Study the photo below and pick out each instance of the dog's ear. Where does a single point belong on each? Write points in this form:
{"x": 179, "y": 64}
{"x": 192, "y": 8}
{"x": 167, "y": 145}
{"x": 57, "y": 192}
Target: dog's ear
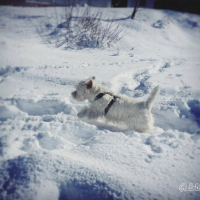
{"x": 93, "y": 77}
{"x": 89, "y": 84}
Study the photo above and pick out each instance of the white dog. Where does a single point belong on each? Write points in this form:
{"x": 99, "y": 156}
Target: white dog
{"x": 134, "y": 113}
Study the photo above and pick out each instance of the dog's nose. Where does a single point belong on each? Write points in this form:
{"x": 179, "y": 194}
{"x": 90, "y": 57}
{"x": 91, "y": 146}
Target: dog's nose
{"x": 74, "y": 94}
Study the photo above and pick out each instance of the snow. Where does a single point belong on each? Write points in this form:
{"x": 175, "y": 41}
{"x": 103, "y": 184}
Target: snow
{"x": 47, "y": 153}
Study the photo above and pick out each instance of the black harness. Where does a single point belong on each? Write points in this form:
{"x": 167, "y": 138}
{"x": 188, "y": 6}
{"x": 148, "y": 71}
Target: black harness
{"x": 100, "y": 95}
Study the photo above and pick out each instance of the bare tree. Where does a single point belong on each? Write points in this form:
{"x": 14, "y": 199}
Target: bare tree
{"x": 76, "y": 27}
{"x": 135, "y": 8}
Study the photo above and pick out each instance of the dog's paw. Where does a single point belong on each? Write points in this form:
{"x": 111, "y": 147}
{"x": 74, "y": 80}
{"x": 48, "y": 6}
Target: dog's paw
{"x": 80, "y": 115}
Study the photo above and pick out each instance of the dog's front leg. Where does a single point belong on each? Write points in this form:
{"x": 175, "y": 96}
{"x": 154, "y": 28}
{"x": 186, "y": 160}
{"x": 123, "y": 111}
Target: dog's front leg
{"x": 83, "y": 112}
{"x": 88, "y": 112}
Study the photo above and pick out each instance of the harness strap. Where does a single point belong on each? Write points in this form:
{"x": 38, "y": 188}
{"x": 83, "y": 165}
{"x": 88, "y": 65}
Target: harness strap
{"x": 110, "y": 104}
{"x": 100, "y": 95}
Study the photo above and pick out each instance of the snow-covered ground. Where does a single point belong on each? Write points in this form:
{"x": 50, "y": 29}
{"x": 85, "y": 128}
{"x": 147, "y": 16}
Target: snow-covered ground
{"x": 47, "y": 153}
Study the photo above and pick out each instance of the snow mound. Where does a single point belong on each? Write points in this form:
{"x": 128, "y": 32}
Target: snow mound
{"x": 8, "y": 112}
{"x": 43, "y": 107}
{"x": 80, "y": 184}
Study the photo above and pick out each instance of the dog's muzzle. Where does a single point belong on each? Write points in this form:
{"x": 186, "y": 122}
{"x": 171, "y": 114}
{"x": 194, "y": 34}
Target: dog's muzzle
{"x": 74, "y": 94}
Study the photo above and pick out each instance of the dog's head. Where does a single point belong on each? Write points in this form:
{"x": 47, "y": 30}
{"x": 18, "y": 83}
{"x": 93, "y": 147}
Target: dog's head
{"x": 84, "y": 89}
